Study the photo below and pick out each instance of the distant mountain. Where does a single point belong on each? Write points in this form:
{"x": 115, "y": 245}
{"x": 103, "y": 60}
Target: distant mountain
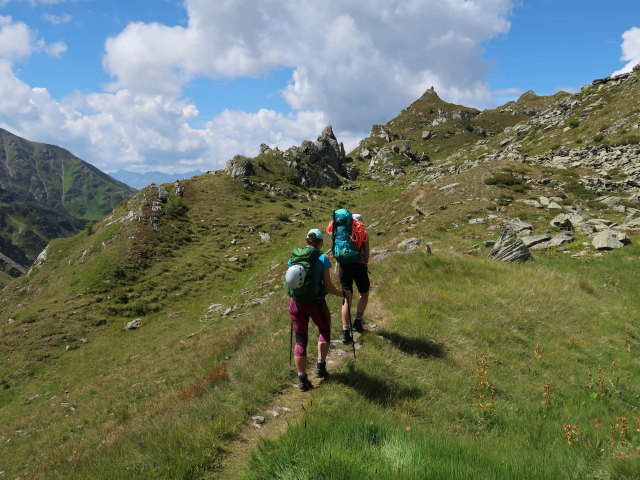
{"x": 141, "y": 180}
{"x": 46, "y": 192}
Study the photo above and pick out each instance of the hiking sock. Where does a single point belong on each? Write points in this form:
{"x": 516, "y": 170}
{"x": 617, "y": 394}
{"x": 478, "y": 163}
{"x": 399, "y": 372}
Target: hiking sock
{"x": 321, "y": 369}
{"x": 303, "y": 382}
{"x": 321, "y": 361}
{"x": 357, "y": 323}
{"x": 346, "y": 335}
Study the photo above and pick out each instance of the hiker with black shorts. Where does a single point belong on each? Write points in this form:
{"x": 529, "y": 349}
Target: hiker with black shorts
{"x": 310, "y": 262}
{"x": 351, "y": 250}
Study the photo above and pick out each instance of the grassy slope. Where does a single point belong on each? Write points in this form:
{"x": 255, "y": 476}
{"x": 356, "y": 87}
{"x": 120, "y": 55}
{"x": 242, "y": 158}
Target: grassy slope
{"x": 161, "y": 402}
{"x": 407, "y": 407}
{"x": 66, "y": 345}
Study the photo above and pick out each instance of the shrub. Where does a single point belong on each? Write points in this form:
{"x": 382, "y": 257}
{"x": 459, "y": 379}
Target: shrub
{"x": 573, "y": 123}
{"x": 503, "y": 178}
{"x": 580, "y": 191}
{"x": 598, "y": 138}
{"x": 292, "y": 177}
{"x": 282, "y": 217}
{"x": 287, "y": 205}
{"x": 175, "y": 208}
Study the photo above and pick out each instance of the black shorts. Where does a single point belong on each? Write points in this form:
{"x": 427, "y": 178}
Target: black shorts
{"x": 354, "y": 271}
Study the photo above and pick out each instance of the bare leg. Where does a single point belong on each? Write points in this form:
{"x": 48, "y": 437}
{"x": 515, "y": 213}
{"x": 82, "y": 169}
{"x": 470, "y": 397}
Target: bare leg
{"x": 301, "y": 363}
{"x": 323, "y": 349}
{"x": 362, "y": 303}
{"x": 345, "y": 308}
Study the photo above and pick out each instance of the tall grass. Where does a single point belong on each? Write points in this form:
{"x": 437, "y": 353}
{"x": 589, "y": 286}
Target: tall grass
{"x": 482, "y": 370}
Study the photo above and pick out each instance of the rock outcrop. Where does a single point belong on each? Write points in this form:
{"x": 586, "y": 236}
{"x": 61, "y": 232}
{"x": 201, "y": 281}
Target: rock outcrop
{"x": 510, "y": 248}
{"x": 239, "y": 166}
{"x": 321, "y": 163}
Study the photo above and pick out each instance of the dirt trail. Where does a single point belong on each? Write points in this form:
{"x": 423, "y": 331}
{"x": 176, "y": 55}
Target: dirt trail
{"x": 288, "y": 407}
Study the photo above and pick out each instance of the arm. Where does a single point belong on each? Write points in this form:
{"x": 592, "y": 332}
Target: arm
{"x": 328, "y": 284}
{"x": 366, "y": 251}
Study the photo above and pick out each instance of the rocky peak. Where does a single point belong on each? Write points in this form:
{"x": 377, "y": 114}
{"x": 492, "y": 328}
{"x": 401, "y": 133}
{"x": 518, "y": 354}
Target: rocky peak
{"x": 326, "y": 163}
{"x": 430, "y": 92}
{"x": 528, "y": 95}
{"x": 239, "y": 166}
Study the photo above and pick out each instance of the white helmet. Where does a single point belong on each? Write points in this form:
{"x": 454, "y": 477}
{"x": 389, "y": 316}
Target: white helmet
{"x": 294, "y": 278}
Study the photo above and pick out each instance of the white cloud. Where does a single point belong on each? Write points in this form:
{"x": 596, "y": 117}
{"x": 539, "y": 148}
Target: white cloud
{"x": 630, "y": 50}
{"x": 57, "y": 19}
{"x": 357, "y": 61}
{"x": 142, "y": 132}
{"x": 56, "y": 49}
{"x": 354, "y": 63}
{"x": 18, "y": 42}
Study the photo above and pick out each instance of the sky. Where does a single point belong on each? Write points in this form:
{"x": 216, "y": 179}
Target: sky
{"x": 182, "y": 85}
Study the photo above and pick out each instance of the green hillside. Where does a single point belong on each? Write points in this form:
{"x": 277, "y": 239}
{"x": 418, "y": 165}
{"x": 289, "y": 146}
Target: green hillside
{"x": 46, "y": 193}
{"x": 469, "y": 367}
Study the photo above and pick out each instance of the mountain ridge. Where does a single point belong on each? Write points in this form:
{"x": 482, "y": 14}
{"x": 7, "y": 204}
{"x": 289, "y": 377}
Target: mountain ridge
{"x": 47, "y": 192}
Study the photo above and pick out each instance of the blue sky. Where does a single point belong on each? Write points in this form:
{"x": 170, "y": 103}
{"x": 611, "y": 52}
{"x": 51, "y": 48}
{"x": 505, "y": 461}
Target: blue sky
{"x": 181, "y": 85}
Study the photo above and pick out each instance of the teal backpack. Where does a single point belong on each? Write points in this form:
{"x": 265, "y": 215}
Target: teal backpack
{"x": 344, "y": 248}
{"x": 310, "y": 289}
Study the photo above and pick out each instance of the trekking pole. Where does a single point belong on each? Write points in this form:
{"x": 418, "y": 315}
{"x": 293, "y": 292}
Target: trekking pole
{"x": 353, "y": 340}
{"x": 290, "y": 340}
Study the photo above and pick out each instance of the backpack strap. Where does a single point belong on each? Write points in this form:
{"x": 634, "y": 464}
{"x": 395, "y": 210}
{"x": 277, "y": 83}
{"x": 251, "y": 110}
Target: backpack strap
{"x": 333, "y": 235}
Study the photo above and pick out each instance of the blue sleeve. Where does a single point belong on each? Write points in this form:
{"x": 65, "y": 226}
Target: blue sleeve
{"x": 326, "y": 263}
{"x": 289, "y": 262}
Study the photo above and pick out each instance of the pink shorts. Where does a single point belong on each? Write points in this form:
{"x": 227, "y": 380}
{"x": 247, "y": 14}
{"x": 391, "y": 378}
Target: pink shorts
{"x": 300, "y": 314}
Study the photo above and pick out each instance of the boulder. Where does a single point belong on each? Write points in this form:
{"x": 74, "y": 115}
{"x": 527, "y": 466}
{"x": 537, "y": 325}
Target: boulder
{"x": 519, "y": 227}
{"x": 510, "y": 248}
{"x": 556, "y": 241}
{"x": 134, "y": 324}
{"x": 409, "y": 244}
{"x": 609, "y": 240}
{"x": 610, "y": 201}
{"x": 569, "y": 220}
{"x": 264, "y": 237}
{"x": 632, "y": 224}
{"x": 531, "y": 240}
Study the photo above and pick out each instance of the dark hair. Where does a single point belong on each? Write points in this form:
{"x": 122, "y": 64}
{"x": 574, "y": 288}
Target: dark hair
{"x": 312, "y": 239}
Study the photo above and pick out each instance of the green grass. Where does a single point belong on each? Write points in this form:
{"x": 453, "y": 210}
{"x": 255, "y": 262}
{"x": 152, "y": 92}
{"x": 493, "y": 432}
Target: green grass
{"x": 407, "y": 407}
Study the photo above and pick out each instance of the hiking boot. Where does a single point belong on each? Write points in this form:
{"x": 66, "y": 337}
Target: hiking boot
{"x": 305, "y": 384}
{"x": 321, "y": 370}
{"x": 346, "y": 337}
{"x": 357, "y": 325}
